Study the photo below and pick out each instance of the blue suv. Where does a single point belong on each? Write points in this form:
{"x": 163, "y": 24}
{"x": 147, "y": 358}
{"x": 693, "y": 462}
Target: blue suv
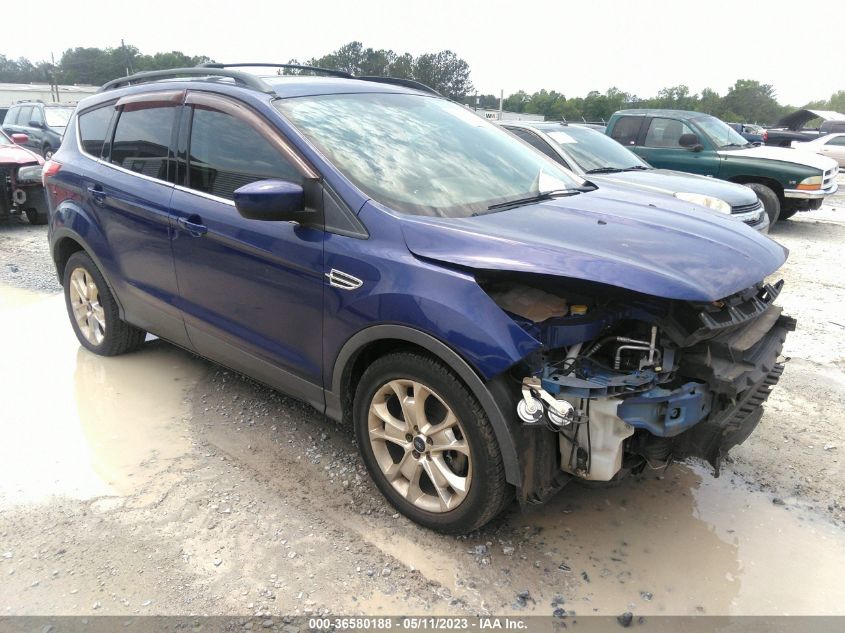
{"x": 491, "y": 324}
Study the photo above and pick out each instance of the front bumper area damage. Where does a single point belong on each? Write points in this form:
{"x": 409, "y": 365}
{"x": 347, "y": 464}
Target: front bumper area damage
{"x": 632, "y": 382}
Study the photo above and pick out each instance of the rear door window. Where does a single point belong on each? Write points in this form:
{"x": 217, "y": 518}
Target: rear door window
{"x": 836, "y": 140}
{"x": 93, "y": 130}
{"x": 626, "y": 130}
{"x": 665, "y": 132}
{"x": 218, "y": 162}
{"x": 142, "y": 138}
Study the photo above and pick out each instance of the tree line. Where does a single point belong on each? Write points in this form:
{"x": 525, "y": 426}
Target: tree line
{"x": 746, "y": 101}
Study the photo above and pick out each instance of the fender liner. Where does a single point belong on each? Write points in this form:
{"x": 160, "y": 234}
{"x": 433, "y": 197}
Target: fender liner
{"x": 494, "y": 405}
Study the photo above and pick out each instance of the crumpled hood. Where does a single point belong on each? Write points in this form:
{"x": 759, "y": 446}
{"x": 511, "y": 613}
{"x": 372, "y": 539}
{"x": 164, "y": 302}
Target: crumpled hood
{"x": 671, "y": 182}
{"x": 613, "y": 236}
{"x": 17, "y": 155}
{"x": 783, "y": 154}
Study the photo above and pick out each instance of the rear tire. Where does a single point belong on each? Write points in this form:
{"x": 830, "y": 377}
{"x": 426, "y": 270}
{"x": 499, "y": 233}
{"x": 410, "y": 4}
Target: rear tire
{"x": 93, "y": 310}
{"x": 450, "y": 491}
{"x": 770, "y": 200}
{"x": 47, "y": 152}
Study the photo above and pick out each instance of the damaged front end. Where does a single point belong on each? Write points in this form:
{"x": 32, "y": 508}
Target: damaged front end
{"x": 21, "y": 191}
{"x": 625, "y": 381}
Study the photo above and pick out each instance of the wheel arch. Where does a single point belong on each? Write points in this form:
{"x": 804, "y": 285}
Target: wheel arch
{"x": 64, "y": 243}
{"x": 771, "y": 183}
{"x": 378, "y": 340}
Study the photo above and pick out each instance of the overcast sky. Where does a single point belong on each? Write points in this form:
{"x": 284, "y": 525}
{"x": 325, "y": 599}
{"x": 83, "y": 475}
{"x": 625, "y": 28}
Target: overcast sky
{"x": 573, "y": 48}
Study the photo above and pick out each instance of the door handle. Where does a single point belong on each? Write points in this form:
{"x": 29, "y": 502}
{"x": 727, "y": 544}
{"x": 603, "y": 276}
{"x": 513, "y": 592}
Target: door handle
{"x": 193, "y": 225}
{"x": 97, "y": 194}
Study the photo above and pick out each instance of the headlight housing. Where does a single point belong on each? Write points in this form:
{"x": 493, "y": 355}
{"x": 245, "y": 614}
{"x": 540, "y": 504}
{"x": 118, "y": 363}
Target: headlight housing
{"x": 29, "y": 174}
{"x": 813, "y": 183}
{"x": 717, "y": 204}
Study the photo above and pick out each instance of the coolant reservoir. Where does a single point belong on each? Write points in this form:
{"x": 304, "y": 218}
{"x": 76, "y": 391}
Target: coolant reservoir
{"x": 606, "y": 435}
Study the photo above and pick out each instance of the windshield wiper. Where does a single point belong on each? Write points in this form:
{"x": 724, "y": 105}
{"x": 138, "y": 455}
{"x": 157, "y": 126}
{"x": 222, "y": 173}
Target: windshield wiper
{"x": 605, "y": 170}
{"x": 734, "y": 145}
{"x": 540, "y": 197}
{"x": 637, "y": 168}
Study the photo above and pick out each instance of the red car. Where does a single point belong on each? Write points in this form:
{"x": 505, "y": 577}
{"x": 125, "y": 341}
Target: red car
{"x": 21, "y": 190}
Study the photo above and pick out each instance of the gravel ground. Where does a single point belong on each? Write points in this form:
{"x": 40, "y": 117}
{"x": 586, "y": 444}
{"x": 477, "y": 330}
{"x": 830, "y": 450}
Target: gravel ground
{"x": 26, "y": 256}
{"x": 159, "y": 483}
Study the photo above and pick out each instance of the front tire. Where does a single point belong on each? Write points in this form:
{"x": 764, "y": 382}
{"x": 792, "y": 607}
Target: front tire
{"x": 36, "y": 217}
{"x": 428, "y": 444}
{"x": 770, "y": 200}
{"x": 93, "y": 310}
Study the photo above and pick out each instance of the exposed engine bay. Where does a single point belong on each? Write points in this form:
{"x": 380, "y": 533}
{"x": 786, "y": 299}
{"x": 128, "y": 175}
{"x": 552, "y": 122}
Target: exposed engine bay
{"x": 629, "y": 382}
{"x": 21, "y": 191}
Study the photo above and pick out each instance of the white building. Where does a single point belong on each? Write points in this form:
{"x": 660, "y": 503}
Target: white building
{"x": 493, "y": 115}
{"x": 10, "y": 93}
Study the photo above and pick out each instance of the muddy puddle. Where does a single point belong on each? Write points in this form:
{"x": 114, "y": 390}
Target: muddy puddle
{"x": 689, "y": 543}
{"x": 683, "y": 544}
{"x": 76, "y": 425}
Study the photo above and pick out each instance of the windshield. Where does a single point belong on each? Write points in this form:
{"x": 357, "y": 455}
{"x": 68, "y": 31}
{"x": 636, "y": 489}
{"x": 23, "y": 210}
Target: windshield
{"x": 593, "y": 150}
{"x": 57, "y": 117}
{"x": 423, "y": 155}
{"x": 720, "y": 133}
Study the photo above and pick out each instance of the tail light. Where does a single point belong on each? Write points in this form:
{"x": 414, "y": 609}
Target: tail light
{"x": 51, "y": 168}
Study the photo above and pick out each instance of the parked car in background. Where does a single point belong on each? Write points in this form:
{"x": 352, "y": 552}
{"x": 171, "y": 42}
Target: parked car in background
{"x": 21, "y": 190}
{"x": 598, "y": 158}
{"x": 750, "y": 132}
{"x": 43, "y": 123}
{"x": 831, "y": 145}
{"x": 780, "y": 137}
{"x": 831, "y": 127}
{"x": 491, "y": 324}
{"x": 786, "y": 181}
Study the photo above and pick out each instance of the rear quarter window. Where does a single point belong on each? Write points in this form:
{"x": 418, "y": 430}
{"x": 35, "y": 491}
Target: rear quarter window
{"x": 93, "y": 128}
{"x": 626, "y": 130}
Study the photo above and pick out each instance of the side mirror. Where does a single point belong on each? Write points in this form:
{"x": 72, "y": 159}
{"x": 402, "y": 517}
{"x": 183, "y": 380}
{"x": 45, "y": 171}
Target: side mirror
{"x": 690, "y": 142}
{"x": 20, "y": 139}
{"x": 274, "y": 200}
{"x": 37, "y": 124}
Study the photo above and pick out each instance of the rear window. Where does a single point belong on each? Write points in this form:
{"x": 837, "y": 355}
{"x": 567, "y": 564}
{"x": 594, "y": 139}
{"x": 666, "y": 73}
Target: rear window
{"x": 57, "y": 116}
{"x": 141, "y": 140}
{"x": 626, "y": 130}
{"x": 93, "y": 127}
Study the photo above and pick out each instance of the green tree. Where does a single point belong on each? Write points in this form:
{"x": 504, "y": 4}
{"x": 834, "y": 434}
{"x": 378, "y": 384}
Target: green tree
{"x": 752, "y": 101}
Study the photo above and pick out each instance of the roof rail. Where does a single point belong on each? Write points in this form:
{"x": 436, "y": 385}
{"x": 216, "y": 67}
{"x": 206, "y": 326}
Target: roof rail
{"x": 327, "y": 71}
{"x": 246, "y": 79}
{"x": 396, "y": 81}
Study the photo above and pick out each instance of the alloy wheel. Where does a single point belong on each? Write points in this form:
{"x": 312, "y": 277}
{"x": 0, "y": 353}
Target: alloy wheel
{"x": 87, "y": 310}
{"x": 420, "y": 446}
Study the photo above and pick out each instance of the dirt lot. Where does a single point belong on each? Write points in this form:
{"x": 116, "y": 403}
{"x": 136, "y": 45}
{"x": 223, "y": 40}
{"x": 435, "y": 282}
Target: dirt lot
{"x": 158, "y": 483}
